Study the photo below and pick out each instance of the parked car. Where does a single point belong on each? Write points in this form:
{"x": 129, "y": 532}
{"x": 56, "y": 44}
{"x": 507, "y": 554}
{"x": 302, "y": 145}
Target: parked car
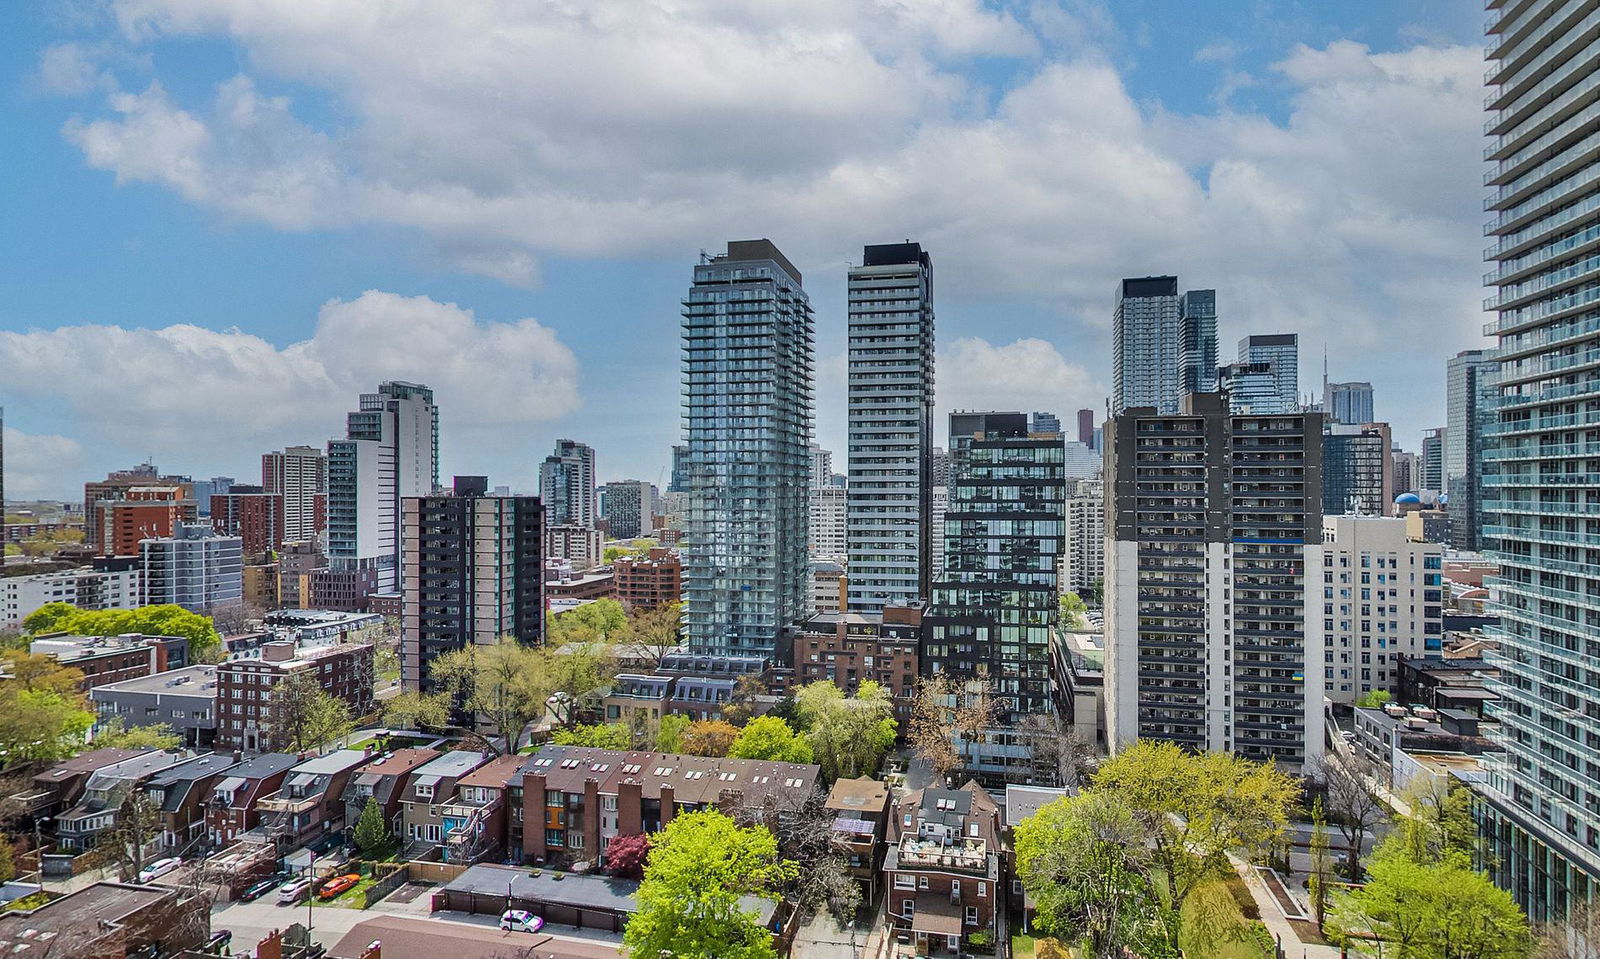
{"x": 158, "y": 869}
{"x": 256, "y": 890}
{"x": 338, "y": 884}
{"x": 290, "y": 892}
{"x": 520, "y": 920}
{"x": 219, "y": 941}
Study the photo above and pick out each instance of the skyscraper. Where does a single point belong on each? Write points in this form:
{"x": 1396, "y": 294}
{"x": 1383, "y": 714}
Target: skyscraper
{"x": 748, "y": 362}
{"x": 300, "y": 474}
{"x": 1281, "y": 353}
{"x": 474, "y": 572}
{"x": 821, "y": 466}
{"x": 1372, "y": 567}
{"x": 1468, "y": 396}
{"x": 1431, "y": 462}
{"x": 1163, "y": 344}
{"x": 1349, "y": 403}
{"x": 1044, "y": 423}
{"x": 891, "y": 426}
{"x": 1086, "y": 427}
{"x": 1357, "y": 470}
{"x": 1539, "y": 511}
{"x": 566, "y": 484}
{"x": 629, "y": 508}
{"x": 1213, "y": 581}
{"x": 390, "y": 451}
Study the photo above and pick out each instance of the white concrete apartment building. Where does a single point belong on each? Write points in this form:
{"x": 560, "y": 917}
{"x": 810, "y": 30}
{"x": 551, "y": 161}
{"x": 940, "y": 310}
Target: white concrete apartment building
{"x": 1381, "y": 602}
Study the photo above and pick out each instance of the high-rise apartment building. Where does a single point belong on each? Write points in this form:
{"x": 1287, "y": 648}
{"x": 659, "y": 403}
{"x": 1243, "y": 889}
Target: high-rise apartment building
{"x": 1358, "y": 470}
{"x": 629, "y": 508}
{"x": 1405, "y": 472}
{"x": 141, "y": 513}
{"x": 821, "y": 466}
{"x": 115, "y": 487}
{"x": 1213, "y": 581}
{"x": 1349, "y": 403}
{"x": 1084, "y": 558}
{"x": 567, "y": 484}
{"x": 1163, "y": 343}
{"x": 390, "y": 452}
{"x": 1382, "y": 601}
{"x": 474, "y": 572}
{"x": 748, "y": 368}
{"x": 1541, "y": 509}
{"x": 300, "y": 475}
{"x": 250, "y": 513}
{"x": 1431, "y": 462}
{"x": 205, "y": 489}
{"x": 193, "y": 568}
{"x": 829, "y": 509}
{"x": 1468, "y": 397}
{"x": 996, "y": 603}
{"x": 582, "y": 546}
{"x": 891, "y": 426}
{"x": 1281, "y": 354}
{"x": 679, "y": 483}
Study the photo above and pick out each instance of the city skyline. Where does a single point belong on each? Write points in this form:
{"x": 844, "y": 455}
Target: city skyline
{"x": 271, "y": 304}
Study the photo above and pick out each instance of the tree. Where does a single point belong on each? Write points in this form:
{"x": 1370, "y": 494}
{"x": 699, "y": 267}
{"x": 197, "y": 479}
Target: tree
{"x": 626, "y": 855}
{"x": 932, "y": 733}
{"x": 1321, "y": 863}
{"x": 125, "y": 844}
{"x": 849, "y": 735}
{"x": 304, "y": 715}
{"x": 747, "y": 691}
{"x": 371, "y": 834}
{"x": 1073, "y": 609}
{"x": 769, "y": 737}
{"x": 669, "y": 734}
{"x": 1057, "y": 757}
{"x": 709, "y": 737}
{"x": 1436, "y": 910}
{"x": 505, "y": 685}
{"x": 1441, "y": 821}
{"x": 1199, "y": 807}
{"x": 116, "y": 735}
{"x": 575, "y": 675}
{"x": 429, "y": 712}
{"x": 1086, "y": 862}
{"x": 689, "y": 906}
{"x": 49, "y": 618}
{"x": 654, "y": 631}
{"x": 1356, "y": 808}
{"x": 40, "y": 723}
{"x": 205, "y": 643}
{"x": 1577, "y": 936}
{"x": 36, "y": 672}
{"x": 803, "y": 825}
{"x": 608, "y": 736}
{"x": 1375, "y": 699}
{"x": 601, "y": 621}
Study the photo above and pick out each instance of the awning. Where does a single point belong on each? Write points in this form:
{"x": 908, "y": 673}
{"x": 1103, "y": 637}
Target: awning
{"x": 935, "y": 922}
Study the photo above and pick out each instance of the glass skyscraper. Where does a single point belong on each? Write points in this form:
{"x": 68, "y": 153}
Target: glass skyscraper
{"x": 566, "y": 485}
{"x": 1348, "y": 403}
{"x": 1281, "y": 354}
{"x": 748, "y": 368}
{"x": 1541, "y": 508}
{"x": 1163, "y": 344}
{"x": 890, "y": 489}
{"x": 1468, "y": 376}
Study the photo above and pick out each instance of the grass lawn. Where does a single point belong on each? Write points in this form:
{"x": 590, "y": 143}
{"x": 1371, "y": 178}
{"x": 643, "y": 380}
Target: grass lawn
{"x": 351, "y": 898}
{"x": 1022, "y": 946}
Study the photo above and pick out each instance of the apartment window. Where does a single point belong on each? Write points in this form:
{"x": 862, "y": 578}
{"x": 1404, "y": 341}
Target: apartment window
{"x": 922, "y": 882}
{"x": 972, "y": 915}
{"x": 908, "y": 907}
{"x": 983, "y": 890}
{"x": 903, "y": 881}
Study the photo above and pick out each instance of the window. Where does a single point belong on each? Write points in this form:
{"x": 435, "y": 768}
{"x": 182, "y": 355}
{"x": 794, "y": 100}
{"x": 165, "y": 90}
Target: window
{"x": 983, "y": 890}
{"x": 903, "y": 881}
{"x": 922, "y": 882}
{"x": 972, "y": 915}
{"x": 908, "y": 907}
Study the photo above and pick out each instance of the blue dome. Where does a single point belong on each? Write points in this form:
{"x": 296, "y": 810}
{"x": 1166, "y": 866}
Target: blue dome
{"x": 1408, "y": 498}
{"x": 1444, "y": 498}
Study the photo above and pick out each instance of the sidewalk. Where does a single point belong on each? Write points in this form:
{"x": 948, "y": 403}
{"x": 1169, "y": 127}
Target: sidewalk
{"x": 1272, "y": 916}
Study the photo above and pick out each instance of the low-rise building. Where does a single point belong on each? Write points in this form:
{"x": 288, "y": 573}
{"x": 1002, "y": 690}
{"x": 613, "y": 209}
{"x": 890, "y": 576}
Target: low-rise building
{"x": 95, "y": 812}
{"x": 428, "y": 790}
{"x": 182, "y": 793}
{"x": 108, "y": 920}
{"x": 248, "y": 712}
{"x": 649, "y": 581}
{"x": 184, "y": 699}
{"x": 944, "y": 874}
{"x": 860, "y": 809}
{"x": 313, "y": 627}
{"x": 108, "y": 583}
{"x": 477, "y": 819}
{"x": 59, "y": 787}
{"x": 851, "y": 648}
{"x": 1449, "y": 683}
{"x": 310, "y": 804}
{"x": 1381, "y": 733}
{"x": 578, "y": 587}
{"x": 111, "y": 659}
{"x": 383, "y": 781}
{"x": 232, "y": 808}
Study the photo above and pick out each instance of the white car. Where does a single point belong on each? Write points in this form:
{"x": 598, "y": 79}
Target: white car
{"x": 290, "y": 892}
{"x": 158, "y": 869}
{"x": 520, "y": 920}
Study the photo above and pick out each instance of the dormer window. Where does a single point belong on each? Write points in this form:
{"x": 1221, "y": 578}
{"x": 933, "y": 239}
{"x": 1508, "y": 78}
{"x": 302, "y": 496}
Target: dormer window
{"x": 972, "y": 829}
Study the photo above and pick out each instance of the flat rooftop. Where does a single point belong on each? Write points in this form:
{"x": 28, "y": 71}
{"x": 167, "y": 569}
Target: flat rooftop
{"x": 188, "y": 681}
{"x": 35, "y": 932}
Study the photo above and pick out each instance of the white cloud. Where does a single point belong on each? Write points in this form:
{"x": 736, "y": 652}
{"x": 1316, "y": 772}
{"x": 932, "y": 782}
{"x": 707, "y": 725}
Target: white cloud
{"x": 1024, "y": 375}
{"x": 201, "y": 400}
{"x": 34, "y": 464}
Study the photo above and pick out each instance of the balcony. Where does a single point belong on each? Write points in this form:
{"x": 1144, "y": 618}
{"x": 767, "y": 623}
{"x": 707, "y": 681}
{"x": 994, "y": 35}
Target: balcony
{"x": 279, "y": 803}
{"x": 966, "y": 855}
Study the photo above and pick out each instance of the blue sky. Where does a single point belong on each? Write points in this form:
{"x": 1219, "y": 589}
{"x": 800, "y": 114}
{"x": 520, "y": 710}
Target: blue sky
{"x": 200, "y": 196}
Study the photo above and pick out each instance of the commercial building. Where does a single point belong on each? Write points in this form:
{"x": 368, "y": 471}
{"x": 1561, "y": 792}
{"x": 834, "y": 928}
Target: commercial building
{"x": 996, "y": 603}
{"x": 1431, "y": 462}
{"x": 629, "y": 508}
{"x": 108, "y": 583}
{"x": 183, "y": 699}
{"x": 891, "y": 355}
{"x": 1086, "y": 427}
{"x": 1083, "y": 558}
{"x": 112, "y": 659}
{"x": 1358, "y": 469}
{"x": 1280, "y": 352}
{"x": 1163, "y": 343}
{"x": 581, "y": 546}
{"x": 1348, "y": 403}
{"x": 1382, "y": 601}
{"x": 567, "y": 485}
{"x": 1542, "y": 808}
{"x": 648, "y": 581}
{"x": 252, "y": 514}
{"x": 1469, "y": 395}
{"x": 299, "y": 474}
{"x": 194, "y": 568}
{"x": 826, "y": 539}
{"x": 390, "y": 451}
{"x": 474, "y": 572}
{"x": 748, "y": 367}
{"x": 1211, "y": 581}
{"x": 248, "y": 710}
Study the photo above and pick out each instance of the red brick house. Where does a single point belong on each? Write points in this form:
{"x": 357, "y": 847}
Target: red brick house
{"x": 944, "y": 871}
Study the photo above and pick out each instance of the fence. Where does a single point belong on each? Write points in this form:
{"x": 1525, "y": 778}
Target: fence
{"x": 386, "y": 878}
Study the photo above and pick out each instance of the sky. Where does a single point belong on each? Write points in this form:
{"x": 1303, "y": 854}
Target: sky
{"x": 223, "y": 220}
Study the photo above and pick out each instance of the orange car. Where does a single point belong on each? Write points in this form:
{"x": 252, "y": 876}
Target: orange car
{"x": 338, "y": 884}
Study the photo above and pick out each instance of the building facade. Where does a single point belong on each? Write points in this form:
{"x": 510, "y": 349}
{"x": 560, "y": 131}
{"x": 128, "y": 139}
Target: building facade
{"x": 567, "y": 485}
{"x": 1216, "y": 534}
{"x": 1468, "y": 396}
{"x": 1083, "y": 558}
{"x": 1281, "y": 354}
{"x": 115, "y": 485}
{"x": 249, "y": 714}
{"x": 1431, "y": 462}
{"x": 582, "y": 546}
{"x": 299, "y": 474}
{"x": 252, "y": 514}
{"x": 1541, "y": 814}
{"x": 195, "y": 569}
{"x": 629, "y": 508}
{"x": 826, "y": 539}
{"x": 1348, "y": 403}
{"x": 649, "y": 581}
{"x": 891, "y": 356}
{"x": 109, "y": 583}
{"x": 748, "y": 365}
{"x": 1145, "y": 344}
{"x": 474, "y": 572}
{"x": 1358, "y": 470}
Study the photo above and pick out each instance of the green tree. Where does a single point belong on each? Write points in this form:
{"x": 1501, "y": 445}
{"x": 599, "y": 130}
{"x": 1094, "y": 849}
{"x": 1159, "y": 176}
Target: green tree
{"x": 304, "y": 715}
{"x": 1375, "y": 699}
{"x": 654, "y": 631}
{"x": 768, "y": 737}
{"x": 49, "y": 618}
{"x": 669, "y": 736}
{"x": 40, "y": 723}
{"x": 372, "y": 835}
{"x": 608, "y": 736}
{"x": 117, "y": 735}
{"x": 126, "y": 844}
{"x": 429, "y": 712}
{"x": 1436, "y": 910}
{"x": 601, "y": 621}
{"x": 1073, "y": 609}
{"x": 1086, "y": 862}
{"x": 1441, "y": 822}
{"x": 849, "y": 735}
{"x": 506, "y": 685}
{"x": 700, "y": 867}
{"x": 709, "y": 737}
{"x": 576, "y": 674}
{"x": 1321, "y": 863}
{"x": 1199, "y": 807}
{"x": 205, "y": 643}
